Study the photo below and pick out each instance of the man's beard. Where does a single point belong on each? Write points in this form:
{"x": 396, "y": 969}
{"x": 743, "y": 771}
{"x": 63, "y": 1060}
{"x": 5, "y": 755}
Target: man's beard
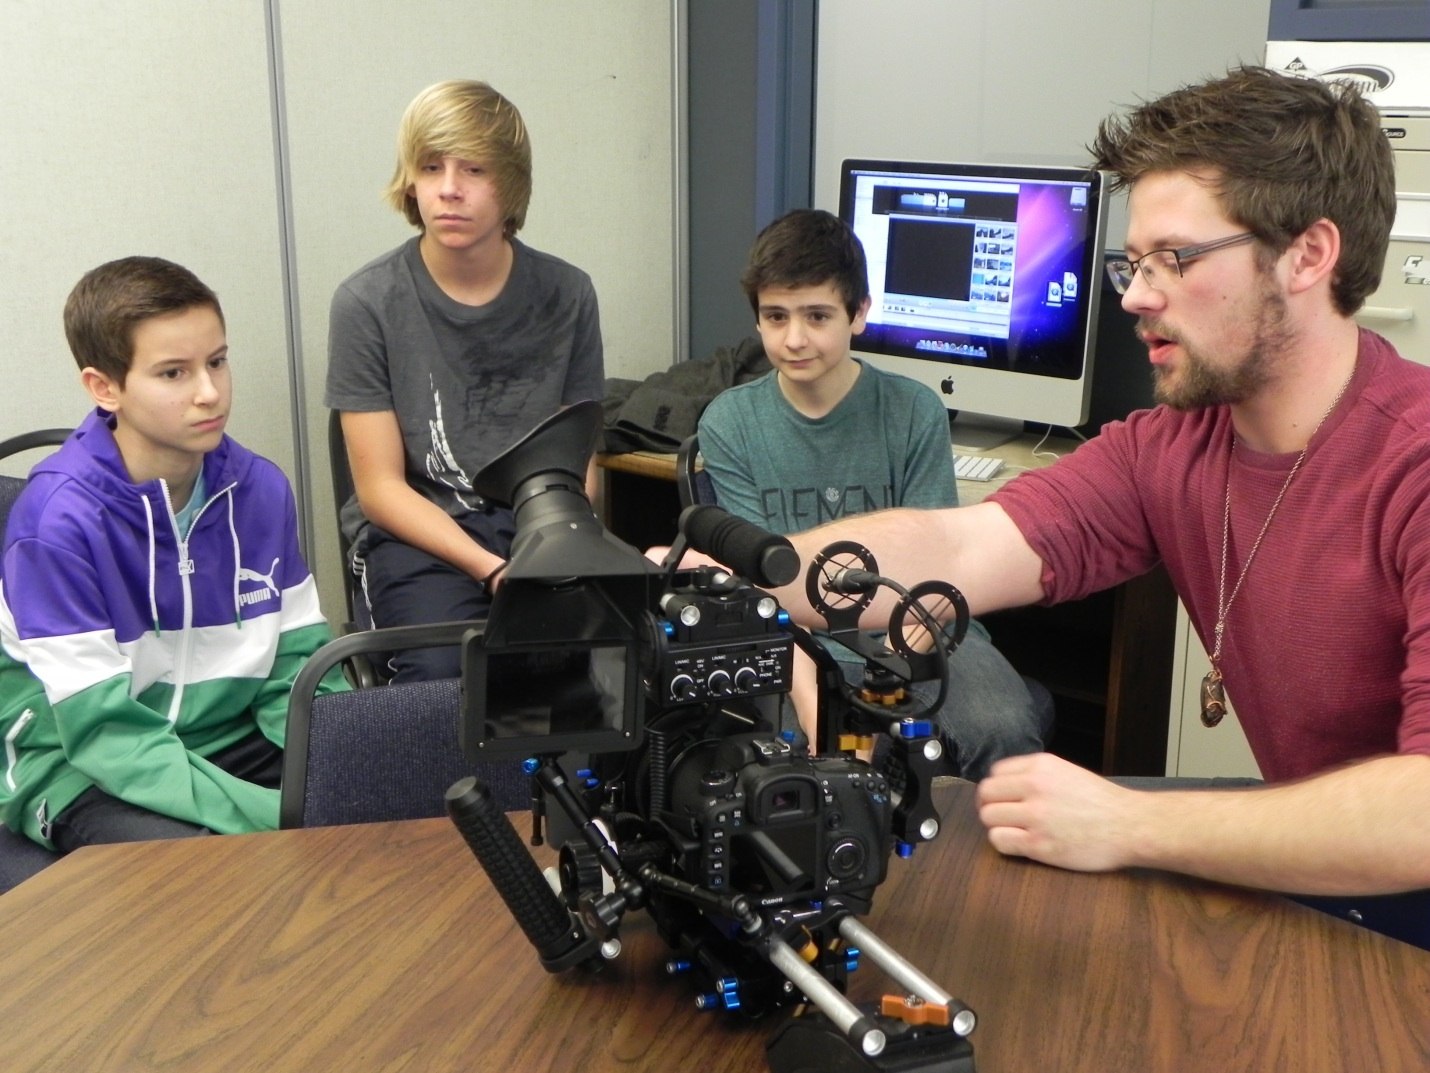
{"x": 1196, "y": 384}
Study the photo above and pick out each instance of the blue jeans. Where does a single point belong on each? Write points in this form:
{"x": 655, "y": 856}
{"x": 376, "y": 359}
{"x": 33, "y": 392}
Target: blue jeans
{"x": 991, "y": 711}
{"x": 95, "y": 817}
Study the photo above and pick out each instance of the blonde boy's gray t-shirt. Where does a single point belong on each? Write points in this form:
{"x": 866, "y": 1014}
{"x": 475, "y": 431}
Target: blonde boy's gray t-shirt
{"x": 466, "y": 382}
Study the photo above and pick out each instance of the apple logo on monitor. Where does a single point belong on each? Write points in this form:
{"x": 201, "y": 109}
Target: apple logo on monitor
{"x": 947, "y": 385}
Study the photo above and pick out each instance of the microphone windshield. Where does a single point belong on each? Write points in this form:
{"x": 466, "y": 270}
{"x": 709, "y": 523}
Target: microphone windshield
{"x": 762, "y": 557}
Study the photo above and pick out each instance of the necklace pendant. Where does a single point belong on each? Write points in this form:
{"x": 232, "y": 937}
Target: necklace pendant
{"x": 1213, "y": 699}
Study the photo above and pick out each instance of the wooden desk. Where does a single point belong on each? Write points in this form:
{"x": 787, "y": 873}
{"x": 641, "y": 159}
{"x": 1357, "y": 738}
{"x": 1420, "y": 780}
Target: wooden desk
{"x": 383, "y": 948}
{"x": 1107, "y": 659}
{"x": 641, "y": 463}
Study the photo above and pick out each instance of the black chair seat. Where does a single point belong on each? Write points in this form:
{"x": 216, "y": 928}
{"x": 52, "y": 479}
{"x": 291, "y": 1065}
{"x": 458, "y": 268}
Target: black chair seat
{"x": 21, "y": 858}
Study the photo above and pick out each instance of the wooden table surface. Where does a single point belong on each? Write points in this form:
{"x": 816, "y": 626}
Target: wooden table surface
{"x": 383, "y": 948}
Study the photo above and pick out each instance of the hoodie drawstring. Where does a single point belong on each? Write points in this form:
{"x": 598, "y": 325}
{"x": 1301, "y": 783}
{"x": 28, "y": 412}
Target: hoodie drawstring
{"x": 153, "y": 566}
{"x": 237, "y": 569}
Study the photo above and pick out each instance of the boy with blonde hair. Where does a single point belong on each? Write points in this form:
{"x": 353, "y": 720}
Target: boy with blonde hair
{"x": 443, "y": 353}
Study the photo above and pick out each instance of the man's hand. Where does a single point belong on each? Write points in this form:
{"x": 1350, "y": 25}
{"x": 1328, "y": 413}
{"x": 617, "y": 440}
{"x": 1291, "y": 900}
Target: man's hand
{"x": 1045, "y": 808}
{"x": 1354, "y": 830}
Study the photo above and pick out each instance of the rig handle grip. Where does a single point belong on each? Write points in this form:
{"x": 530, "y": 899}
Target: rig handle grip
{"x": 558, "y": 937}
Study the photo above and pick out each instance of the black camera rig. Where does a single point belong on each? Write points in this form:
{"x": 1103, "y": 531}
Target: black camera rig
{"x": 753, "y": 855}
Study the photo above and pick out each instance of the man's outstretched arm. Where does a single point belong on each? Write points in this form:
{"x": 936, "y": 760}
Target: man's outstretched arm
{"x": 1360, "y": 829}
{"x": 978, "y": 549}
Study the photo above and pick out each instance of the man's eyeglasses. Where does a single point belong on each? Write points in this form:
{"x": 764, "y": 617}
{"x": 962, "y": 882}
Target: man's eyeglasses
{"x": 1158, "y": 267}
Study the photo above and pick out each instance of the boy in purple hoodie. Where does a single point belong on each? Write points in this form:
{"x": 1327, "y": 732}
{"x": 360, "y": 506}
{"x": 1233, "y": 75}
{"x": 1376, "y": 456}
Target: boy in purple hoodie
{"x": 154, "y": 605}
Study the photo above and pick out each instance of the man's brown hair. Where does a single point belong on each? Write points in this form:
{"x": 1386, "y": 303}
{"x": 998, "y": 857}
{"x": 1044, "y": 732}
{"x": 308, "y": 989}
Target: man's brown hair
{"x": 1286, "y": 152}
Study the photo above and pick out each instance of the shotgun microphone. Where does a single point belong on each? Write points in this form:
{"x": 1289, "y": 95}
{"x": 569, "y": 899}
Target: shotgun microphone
{"x": 765, "y": 558}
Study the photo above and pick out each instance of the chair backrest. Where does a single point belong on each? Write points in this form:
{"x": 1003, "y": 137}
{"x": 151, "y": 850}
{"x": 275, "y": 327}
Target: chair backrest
{"x": 40, "y": 437}
{"x": 692, "y": 483}
{"x": 21, "y": 858}
{"x": 343, "y": 489}
{"x": 385, "y": 753}
{"x": 11, "y": 487}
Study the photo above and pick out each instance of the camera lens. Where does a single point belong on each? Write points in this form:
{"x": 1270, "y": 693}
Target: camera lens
{"x": 846, "y": 858}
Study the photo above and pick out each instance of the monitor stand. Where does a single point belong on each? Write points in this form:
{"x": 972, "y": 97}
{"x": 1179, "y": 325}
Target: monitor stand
{"x": 975, "y": 432}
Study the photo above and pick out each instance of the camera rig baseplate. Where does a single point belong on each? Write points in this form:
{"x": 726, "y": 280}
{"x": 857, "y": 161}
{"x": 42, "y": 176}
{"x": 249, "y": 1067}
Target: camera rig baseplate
{"x": 754, "y": 858}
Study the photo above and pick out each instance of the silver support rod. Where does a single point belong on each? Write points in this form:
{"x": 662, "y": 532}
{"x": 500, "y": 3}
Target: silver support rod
{"x": 899, "y": 967}
{"x": 840, "y": 1011}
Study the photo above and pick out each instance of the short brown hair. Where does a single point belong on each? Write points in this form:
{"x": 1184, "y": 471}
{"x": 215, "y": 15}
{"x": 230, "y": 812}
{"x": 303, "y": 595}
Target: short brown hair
{"x": 807, "y": 248}
{"x": 110, "y": 301}
{"x": 1286, "y": 151}
{"x": 472, "y": 121}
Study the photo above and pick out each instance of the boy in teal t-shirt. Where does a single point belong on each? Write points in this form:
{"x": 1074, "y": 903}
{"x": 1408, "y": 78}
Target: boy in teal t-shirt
{"x": 825, "y": 436}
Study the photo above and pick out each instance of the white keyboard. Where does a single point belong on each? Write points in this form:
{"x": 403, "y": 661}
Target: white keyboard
{"x": 976, "y": 467}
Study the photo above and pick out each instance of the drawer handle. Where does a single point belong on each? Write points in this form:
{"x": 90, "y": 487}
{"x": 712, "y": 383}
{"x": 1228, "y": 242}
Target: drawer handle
{"x": 1401, "y": 313}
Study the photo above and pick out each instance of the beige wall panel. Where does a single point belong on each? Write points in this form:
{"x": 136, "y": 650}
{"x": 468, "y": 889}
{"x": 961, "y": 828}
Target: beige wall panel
{"x": 999, "y": 82}
{"x": 137, "y": 128}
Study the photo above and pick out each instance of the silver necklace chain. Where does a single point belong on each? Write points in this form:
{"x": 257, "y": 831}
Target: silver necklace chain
{"x": 1223, "y": 602}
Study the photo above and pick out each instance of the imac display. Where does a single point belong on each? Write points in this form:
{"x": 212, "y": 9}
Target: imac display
{"x": 984, "y": 284}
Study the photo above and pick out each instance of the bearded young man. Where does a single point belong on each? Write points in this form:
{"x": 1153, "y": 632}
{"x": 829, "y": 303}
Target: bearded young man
{"x": 1284, "y": 482}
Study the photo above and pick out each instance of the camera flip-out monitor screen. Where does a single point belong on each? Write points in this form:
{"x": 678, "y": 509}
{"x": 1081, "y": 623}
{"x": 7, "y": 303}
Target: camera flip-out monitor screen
{"x": 531, "y": 700}
{"x": 984, "y": 279}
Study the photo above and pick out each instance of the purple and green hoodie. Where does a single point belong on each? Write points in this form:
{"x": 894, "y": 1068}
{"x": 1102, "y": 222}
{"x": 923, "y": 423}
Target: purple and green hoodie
{"x": 131, "y": 653}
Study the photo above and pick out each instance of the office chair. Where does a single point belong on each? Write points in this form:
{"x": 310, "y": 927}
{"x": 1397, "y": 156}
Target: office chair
{"x": 359, "y": 616}
{"x": 385, "y": 753}
{"x": 1401, "y": 916}
{"x": 40, "y": 437}
{"x": 363, "y": 668}
{"x": 692, "y": 483}
{"x": 11, "y": 487}
{"x": 20, "y": 857}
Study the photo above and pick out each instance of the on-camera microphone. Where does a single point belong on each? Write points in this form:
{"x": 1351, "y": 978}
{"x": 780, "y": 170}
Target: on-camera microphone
{"x": 751, "y": 552}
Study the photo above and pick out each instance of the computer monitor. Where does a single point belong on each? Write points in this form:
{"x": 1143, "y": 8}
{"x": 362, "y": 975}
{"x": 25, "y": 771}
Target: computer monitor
{"x": 985, "y": 282}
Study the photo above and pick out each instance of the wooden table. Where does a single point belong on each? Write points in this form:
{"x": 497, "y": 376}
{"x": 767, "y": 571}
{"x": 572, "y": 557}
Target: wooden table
{"x": 383, "y": 948}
